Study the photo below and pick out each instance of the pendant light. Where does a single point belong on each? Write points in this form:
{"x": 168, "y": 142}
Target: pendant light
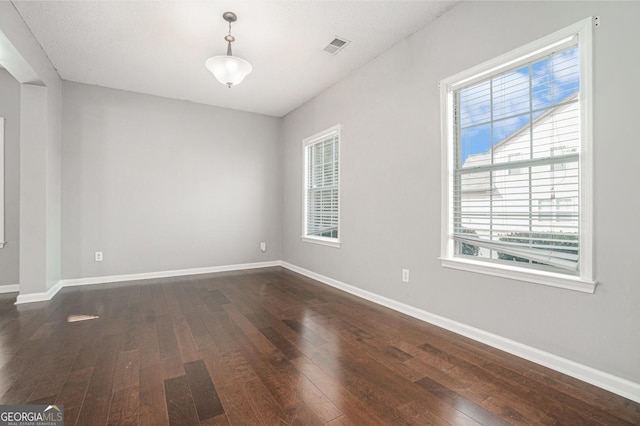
{"x": 228, "y": 69}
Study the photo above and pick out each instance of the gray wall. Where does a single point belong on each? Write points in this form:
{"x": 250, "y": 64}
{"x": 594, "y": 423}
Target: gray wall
{"x": 10, "y": 110}
{"x": 40, "y": 120}
{"x": 159, "y": 184}
{"x": 391, "y": 183}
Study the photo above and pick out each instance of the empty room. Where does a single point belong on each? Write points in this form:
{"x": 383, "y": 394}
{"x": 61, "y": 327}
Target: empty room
{"x": 319, "y": 212}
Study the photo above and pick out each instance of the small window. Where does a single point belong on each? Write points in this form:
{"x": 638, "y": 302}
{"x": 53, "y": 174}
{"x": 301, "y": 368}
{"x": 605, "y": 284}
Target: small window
{"x": 554, "y": 210}
{"x": 515, "y": 170}
{"x": 520, "y": 122}
{"x": 322, "y": 188}
{"x": 558, "y": 151}
{"x": 566, "y": 210}
{"x": 2, "y": 241}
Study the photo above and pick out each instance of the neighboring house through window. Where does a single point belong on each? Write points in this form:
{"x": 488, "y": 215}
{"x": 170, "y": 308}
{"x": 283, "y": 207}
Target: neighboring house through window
{"x": 519, "y": 128}
{"x": 321, "y": 220}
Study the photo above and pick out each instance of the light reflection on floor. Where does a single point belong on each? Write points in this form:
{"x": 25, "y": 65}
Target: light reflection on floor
{"x": 325, "y": 397}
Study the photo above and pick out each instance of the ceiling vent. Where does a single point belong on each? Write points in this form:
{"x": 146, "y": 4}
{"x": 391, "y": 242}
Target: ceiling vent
{"x": 336, "y": 45}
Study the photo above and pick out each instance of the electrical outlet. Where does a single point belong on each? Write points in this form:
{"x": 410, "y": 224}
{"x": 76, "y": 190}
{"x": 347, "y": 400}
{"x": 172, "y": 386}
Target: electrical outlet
{"x": 405, "y": 275}
{"x": 98, "y": 256}
{"x": 263, "y": 247}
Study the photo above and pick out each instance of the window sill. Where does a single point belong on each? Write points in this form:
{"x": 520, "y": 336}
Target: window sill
{"x": 2, "y": 243}
{"x": 322, "y": 241}
{"x": 537, "y": 277}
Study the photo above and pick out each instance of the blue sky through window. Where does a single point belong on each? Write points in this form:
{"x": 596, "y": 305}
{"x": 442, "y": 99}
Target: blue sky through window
{"x": 494, "y": 109}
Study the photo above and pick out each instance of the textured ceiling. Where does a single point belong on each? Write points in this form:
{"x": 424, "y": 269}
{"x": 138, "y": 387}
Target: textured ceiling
{"x": 159, "y": 47}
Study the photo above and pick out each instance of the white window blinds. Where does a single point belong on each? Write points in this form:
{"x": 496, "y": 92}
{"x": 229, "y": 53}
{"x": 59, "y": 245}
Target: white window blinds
{"x": 516, "y": 194}
{"x": 322, "y": 185}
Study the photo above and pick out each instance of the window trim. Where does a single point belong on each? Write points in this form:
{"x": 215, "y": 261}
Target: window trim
{"x": 2, "y": 241}
{"x": 306, "y": 142}
{"x": 585, "y": 282}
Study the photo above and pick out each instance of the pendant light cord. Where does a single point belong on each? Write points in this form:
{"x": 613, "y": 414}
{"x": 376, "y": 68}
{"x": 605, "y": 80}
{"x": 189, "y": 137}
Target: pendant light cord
{"x": 229, "y": 38}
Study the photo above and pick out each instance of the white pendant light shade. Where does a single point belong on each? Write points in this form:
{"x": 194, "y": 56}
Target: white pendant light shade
{"x": 228, "y": 70}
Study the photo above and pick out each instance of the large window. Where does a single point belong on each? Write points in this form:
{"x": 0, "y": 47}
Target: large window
{"x": 2, "y": 241}
{"x": 322, "y": 188}
{"x": 517, "y": 188}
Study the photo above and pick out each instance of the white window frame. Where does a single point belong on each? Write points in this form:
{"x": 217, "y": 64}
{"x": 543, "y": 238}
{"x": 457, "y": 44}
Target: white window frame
{"x": 585, "y": 281}
{"x": 306, "y": 143}
{"x": 2, "y": 241}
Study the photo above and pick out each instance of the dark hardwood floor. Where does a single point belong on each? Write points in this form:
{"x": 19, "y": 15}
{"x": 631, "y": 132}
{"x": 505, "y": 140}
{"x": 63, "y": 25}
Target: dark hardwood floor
{"x": 270, "y": 347}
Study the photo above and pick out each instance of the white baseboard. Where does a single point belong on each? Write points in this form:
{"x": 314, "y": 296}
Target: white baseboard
{"x": 48, "y": 295}
{"x": 166, "y": 274}
{"x": 615, "y": 384}
{"x": 9, "y": 288}
{"x": 39, "y": 297}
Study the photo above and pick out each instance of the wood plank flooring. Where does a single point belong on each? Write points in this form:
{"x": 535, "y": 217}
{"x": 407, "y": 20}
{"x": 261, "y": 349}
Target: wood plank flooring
{"x": 270, "y": 347}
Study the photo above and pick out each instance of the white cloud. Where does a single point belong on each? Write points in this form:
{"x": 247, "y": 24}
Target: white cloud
{"x": 552, "y": 79}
